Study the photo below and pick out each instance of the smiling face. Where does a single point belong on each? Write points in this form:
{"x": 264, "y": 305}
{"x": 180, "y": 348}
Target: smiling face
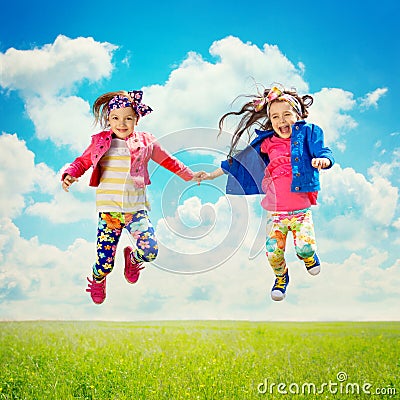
{"x": 282, "y": 117}
{"x": 122, "y": 121}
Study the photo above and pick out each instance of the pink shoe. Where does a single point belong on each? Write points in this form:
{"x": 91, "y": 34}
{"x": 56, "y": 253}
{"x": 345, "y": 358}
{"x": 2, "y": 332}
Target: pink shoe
{"x": 132, "y": 269}
{"x": 97, "y": 290}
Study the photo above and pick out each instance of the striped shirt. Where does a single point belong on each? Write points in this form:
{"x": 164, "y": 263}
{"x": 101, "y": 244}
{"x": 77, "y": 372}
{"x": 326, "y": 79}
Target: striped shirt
{"x": 116, "y": 191}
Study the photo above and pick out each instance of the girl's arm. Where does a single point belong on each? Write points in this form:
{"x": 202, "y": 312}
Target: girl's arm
{"x": 166, "y": 160}
{"x": 77, "y": 168}
{"x": 322, "y": 155}
{"x": 212, "y": 175}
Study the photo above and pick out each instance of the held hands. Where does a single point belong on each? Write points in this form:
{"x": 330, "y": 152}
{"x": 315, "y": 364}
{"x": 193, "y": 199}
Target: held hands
{"x": 67, "y": 182}
{"x": 199, "y": 176}
{"x": 202, "y": 175}
{"x": 320, "y": 163}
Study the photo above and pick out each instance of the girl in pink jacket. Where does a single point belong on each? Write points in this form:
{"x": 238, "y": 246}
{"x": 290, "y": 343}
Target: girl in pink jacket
{"x": 119, "y": 156}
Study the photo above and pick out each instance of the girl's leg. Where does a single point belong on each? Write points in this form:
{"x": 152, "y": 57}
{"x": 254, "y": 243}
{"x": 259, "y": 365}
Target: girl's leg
{"x": 276, "y": 243}
{"x": 108, "y": 234}
{"x": 142, "y": 231}
{"x": 304, "y": 235}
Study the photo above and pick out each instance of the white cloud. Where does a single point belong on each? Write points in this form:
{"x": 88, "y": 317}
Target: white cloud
{"x": 366, "y": 291}
{"x": 396, "y": 224}
{"x": 63, "y": 208}
{"x": 184, "y": 102}
{"x": 371, "y": 99}
{"x": 46, "y": 76}
{"x": 46, "y": 180}
{"x": 38, "y": 280}
{"x": 238, "y": 288}
{"x": 63, "y": 120}
{"x": 16, "y": 175}
{"x": 219, "y": 230}
{"x": 56, "y": 67}
{"x": 351, "y": 193}
{"x": 198, "y": 92}
{"x": 328, "y": 111}
{"x": 387, "y": 169}
{"x": 23, "y": 177}
{"x": 181, "y": 103}
{"x": 76, "y": 205}
{"x": 356, "y": 214}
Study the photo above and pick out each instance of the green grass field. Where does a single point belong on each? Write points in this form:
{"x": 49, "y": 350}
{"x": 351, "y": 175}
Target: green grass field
{"x": 199, "y": 360}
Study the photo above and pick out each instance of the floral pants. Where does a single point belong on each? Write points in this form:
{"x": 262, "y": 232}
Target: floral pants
{"x": 301, "y": 225}
{"x": 109, "y": 231}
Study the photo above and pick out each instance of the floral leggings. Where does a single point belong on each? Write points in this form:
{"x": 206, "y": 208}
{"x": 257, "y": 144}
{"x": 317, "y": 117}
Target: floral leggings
{"x": 109, "y": 231}
{"x": 278, "y": 225}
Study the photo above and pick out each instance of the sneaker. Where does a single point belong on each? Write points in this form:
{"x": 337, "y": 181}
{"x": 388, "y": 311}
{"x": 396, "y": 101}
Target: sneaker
{"x": 97, "y": 290}
{"x": 312, "y": 264}
{"x": 278, "y": 291}
{"x": 132, "y": 269}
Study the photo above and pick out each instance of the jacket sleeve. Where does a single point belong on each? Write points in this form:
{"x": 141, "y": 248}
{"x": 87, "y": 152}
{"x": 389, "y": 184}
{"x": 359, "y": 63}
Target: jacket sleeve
{"x": 80, "y": 165}
{"x": 227, "y": 166}
{"x": 166, "y": 160}
{"x": 245, "y": 171}
{"x": 316, "y": 145}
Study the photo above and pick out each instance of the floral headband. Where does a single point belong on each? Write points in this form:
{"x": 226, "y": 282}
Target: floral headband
{"x": 120, "y": 101}
{"x": 276, "y": 94}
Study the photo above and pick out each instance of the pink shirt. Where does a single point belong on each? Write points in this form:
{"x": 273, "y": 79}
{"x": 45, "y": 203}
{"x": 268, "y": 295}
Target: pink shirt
{"x": 278, "y": 178}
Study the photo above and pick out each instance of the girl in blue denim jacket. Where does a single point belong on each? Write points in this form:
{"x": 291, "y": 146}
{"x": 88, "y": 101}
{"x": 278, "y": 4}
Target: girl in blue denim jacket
{"x": 283, "y": 162}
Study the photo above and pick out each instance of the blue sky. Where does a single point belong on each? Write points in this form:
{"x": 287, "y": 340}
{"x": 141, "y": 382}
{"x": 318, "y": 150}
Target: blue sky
{"x": 192, "y": 61}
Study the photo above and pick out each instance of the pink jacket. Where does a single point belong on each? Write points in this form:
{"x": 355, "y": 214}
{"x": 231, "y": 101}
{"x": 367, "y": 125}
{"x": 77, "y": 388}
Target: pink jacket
{"x": 142, "y": 147}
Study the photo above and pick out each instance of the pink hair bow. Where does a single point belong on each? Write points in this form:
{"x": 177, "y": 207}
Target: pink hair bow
{"x": 140, "y": 108}
{"x": 272, "y": 95}
{"x": 120, "y": 101}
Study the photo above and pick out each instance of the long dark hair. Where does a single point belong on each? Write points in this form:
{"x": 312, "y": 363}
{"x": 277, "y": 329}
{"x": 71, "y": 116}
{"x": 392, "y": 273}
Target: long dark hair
{"x": 258, "y": 119}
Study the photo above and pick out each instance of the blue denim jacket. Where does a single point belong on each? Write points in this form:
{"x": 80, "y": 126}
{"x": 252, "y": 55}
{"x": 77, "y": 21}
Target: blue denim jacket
{"x": 246, "y": 169}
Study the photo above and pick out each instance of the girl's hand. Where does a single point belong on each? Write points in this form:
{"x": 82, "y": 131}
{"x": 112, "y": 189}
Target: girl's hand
{"x": 67, "y": 182}
{"x": 199, "y": 176}
{"x": 205, "y": 176}
{"x": 320, "y": 163}
{"x": 202, "y": 175}
{"x": 212, "y": 175}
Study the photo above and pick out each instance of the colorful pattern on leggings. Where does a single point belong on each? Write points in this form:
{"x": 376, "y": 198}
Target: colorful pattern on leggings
{"x": 301, "y": 225}
{"x": 109, "y": 231}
